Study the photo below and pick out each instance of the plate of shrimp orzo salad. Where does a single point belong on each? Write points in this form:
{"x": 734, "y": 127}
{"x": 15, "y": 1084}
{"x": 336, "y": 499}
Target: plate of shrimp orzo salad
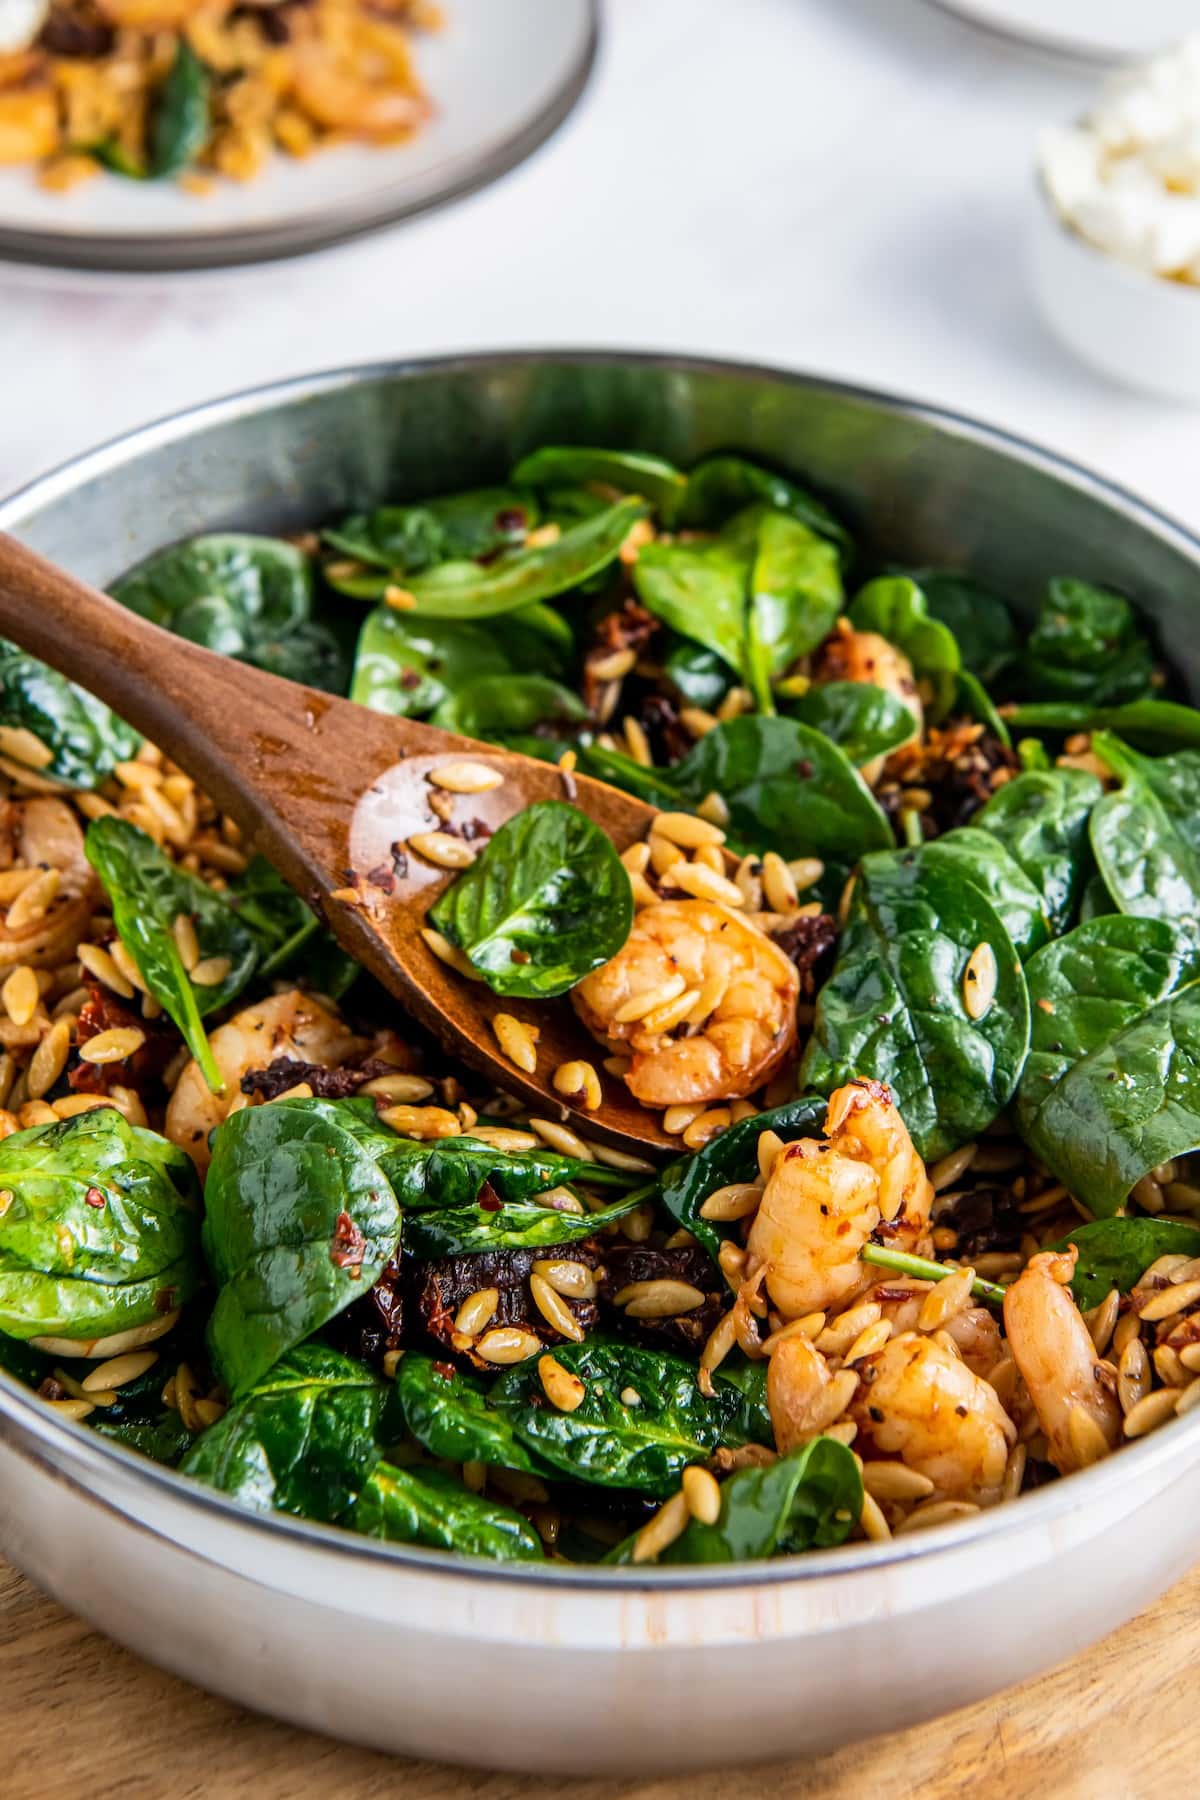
{"x": 906, "y": 971}
{"x": 158, "y": 135}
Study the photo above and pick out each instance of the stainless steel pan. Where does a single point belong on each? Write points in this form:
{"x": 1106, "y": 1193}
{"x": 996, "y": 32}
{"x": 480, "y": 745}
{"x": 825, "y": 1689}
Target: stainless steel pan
{"x": 583, "y": 1670}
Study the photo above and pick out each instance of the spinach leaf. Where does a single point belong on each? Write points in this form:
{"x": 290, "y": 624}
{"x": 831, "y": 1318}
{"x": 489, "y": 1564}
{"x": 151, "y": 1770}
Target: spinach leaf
{"x": 1132, "y": 1103}
{"x": 407, "y": 665}
{"x": 289, "y": 936}
{"x": 686, "y": 1183}
{"x": 893, "y": 1008}
{"x": 979, "y": 620}
{"x": 467, "y": 589}
{"x": 518, "y": 1225}
{"x": 723, "y": 485}
{"x": 1041, "y": 818}
{"x": 300, "y": 1219}
{"x": 85, "y": 739}
{"x": 982, "y": 859}
{"x": 1115, "y": 1253}
{"x": 1157, "y": 726}
{"x": 164, "y": 1439}
{"x": 180, "y": 125}
{"x": 864, "y": 721}
{"x": 1146, "y": 836}
{"x": 147, "y": 893}
{"x": 1088, "y": 985}
{"x": 809, "y": 1499}
{"x": 645, "y": 1447}
{"x": 895, "y": 607}
{"x": 244, "y": 596}
{"x": 449, "y": 1414}
{"x": 428, "y": 1506}
{"x": 764, "y": 592}
{"x": 629, "y": 471}
{"x": 787, "y": 787}
{"x": 497, "y": 706}
{"x": 101, "y": 1231}
{"x": 546, "y": 902}
{"x": 301, "y": 1441}
{"x": 1095, "y": 902}
{"x": 1086, "y": 646}
{"x": 408, "y": 540}
{"x": 699, "y": 675}
{"x": 973, "y": 699}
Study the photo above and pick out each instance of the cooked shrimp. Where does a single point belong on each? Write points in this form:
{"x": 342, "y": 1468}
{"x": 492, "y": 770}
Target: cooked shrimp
{"x": 1072, "y": 1389}
{"x": 825, "y": 1198}
{"x": 743, "y": 1012}
{"x": 291, "y": 1024}
{"x": 45, "y": 833}
{"x": 917, "y": 1401}
{"x": 851, "y": 655}
{"x": 797, "y": 1378}
{"x": 974, "y": 1329}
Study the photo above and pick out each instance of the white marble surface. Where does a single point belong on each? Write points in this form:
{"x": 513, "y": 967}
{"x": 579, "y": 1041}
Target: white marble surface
{"x": 836, "y": 185}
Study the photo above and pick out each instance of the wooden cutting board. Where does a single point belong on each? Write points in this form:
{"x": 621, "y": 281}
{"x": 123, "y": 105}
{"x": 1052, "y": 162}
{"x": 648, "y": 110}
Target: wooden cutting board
{"x": 84, "y": 1720}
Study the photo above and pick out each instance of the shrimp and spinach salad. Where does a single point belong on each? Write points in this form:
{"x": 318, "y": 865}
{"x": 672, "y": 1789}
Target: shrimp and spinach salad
{"x": 908, "y": 966}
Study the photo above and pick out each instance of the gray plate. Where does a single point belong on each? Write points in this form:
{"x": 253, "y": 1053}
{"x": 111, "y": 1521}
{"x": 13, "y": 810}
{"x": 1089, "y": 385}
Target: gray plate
{"x": 502, "y": 77}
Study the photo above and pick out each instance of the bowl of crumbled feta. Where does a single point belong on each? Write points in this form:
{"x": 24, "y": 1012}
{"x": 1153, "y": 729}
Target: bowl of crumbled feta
{"x": 1116, "y": 246}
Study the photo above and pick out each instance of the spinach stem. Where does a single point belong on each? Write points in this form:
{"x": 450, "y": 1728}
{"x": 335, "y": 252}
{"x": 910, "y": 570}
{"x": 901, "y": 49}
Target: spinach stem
{"x": 925, "y": 1270}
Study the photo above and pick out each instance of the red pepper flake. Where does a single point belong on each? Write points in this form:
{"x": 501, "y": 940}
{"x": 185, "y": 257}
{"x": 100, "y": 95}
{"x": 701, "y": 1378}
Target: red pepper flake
{"x": 94, "y": 1197}
{"x": 488, "y": 1199}
{"x": 348, "y": 1246}
{"x": 519, "y": 956}
{"x": 446, "y": 1370}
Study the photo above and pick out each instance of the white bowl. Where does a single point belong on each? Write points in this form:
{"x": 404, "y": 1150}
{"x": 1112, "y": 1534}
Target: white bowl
{"x": 1138, "y": 329}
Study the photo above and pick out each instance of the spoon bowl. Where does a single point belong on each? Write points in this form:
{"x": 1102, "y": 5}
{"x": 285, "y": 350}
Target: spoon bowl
{"x": 329, "y": 792}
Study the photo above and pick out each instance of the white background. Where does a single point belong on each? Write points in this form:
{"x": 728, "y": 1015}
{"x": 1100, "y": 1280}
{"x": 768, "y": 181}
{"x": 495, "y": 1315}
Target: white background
{"x": 837, "y": 185}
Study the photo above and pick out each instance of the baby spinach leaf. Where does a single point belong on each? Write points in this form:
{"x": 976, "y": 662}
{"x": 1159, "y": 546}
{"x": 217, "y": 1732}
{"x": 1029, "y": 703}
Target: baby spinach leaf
{"x": 408, "y": 540}
{"x": 895, "y": 607}
{"x": 85, "y": 739}
{"x": 723, "y": 485}
{"x": 407, "y": 665}
{"x": 180, "y": 124}
{"x": 686, "y": 1183}
{"x": 1041, "y": 818}
{"x": 980, "y": 622}
{"x": 1095, "y": 902}
{"x": 699, "y": 675}
{"x": 629, "y": 471}
{"x": 1158, "y": 726}
{"x": 518, "y": 1225}
{"x": 164, "y": 1438}
{"x": 546, "y": 902}
{"x": 465, "y": 589}
{"x": 428, "y": 1506}
{"x": 449, "y": 1414}
{"x": 241, "y": 595}
{"x": 1086, "y": 646}
{"x": 893, "y": 1008}
{"x": 1133, "y": 1102}
{"x": 1085, "y": 987}
{"x": 606, "y": 1440}
{"x": 982, "y": 859}
{"x": 101, "y": 1233}
{"x": 497, "y": 706}
{"x": 1115, "y": 1253}
{"x": 787, "y": 788}
{"x": 147, "y": 892}
{"x": 301, "y": 1441}
{"x": 300, "y": 1219}
{"x": 973, "y": 699}
{"x": 1146, "y": 836}
{"x": 809, "y": 1499}
{"x": 764, "y": 592}
{"x": 864, "y": 721}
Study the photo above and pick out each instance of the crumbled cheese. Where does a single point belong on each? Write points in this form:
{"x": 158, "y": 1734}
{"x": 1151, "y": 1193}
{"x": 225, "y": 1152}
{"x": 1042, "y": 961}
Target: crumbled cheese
{"x": 1127, "y": 177}
{"x": 20, "y": 22}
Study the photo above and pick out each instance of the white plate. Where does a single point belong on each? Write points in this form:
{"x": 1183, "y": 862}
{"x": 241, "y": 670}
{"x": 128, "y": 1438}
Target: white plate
{"x": 1097, "y": 30}
{"x": 502, "y": 75}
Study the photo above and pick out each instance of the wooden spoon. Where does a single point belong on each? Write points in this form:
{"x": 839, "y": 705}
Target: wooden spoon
{"x": 326, "y": 789}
